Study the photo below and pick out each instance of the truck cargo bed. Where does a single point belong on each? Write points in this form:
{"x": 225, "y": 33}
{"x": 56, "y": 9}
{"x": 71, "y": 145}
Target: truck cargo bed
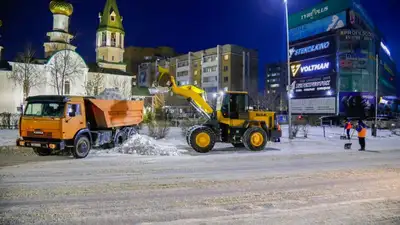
{"x": 113, "y": 113}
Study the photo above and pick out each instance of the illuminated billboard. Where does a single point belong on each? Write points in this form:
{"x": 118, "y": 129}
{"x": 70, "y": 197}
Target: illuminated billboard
{"x": 317, "y": 27}
{"x": 314, "y": 78}
{"x": 312, "y": 49}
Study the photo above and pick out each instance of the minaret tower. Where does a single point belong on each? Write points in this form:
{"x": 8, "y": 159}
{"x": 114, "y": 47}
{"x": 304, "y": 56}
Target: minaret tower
{"x": 59, "y": 38}
{"x": 110, "y": 38}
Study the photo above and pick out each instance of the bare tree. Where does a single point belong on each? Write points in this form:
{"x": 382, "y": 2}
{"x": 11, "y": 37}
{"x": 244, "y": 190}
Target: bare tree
{"x": 123, "y": 86}
{"x": 95, "y": 85}
{"x": 268, "y": 101}
{"x": 25, "y": 72}
{"x": 64, "y": 67}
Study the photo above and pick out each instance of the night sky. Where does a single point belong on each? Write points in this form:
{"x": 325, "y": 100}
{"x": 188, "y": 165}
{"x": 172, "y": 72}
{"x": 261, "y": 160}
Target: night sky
{"x": 184, "y": 25}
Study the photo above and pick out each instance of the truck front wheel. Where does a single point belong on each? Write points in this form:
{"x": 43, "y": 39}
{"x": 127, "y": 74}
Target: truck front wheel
{"x": 81, "y": 148}
{"x": 42, "y": 151}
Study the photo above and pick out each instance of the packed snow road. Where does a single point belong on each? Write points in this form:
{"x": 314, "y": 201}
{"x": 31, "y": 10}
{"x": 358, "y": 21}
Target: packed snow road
{"x": 242, "y": 188}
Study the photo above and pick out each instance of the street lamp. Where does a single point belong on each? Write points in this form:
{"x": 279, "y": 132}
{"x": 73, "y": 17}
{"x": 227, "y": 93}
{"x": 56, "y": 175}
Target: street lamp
{"x": 289, "y": 88}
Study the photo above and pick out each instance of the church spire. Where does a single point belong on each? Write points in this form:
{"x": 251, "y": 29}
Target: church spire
{"x": 110, "y": 38}
{"x": 110, "y": 19}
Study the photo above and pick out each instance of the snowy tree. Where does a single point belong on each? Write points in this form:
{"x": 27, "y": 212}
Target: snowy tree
{"x": 267, "y": 100}
{"x": 95, "y": 84}
{"x": 123, "y": 86}
{"x": 25, "y": 72}
{"x": 64, "y": 69}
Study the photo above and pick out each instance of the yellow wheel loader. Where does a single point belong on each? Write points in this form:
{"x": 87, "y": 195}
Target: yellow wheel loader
{"x": 232, "y": 121}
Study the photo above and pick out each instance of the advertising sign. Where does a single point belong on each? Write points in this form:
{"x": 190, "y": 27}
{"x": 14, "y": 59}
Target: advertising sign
{"x": 357, "y": 104}
{"x": 355, "y": 35}
{"x": 314, "y": 106}
{"x": 312, "y": 49}
{"x": 320, "y": 26}
{"x": 314, "y": 78}
{"x": 319, "y": 11}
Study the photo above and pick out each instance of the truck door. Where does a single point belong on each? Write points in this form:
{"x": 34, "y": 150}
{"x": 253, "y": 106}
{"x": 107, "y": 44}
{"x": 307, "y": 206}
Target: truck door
{"x": 74, "y": 121}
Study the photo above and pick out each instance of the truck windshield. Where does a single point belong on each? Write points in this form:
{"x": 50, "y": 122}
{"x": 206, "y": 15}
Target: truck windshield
{"x": 45, "y": 109}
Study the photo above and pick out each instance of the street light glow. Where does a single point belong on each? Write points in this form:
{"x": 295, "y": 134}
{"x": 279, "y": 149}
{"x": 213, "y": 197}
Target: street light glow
{"x": 329, "y": 92}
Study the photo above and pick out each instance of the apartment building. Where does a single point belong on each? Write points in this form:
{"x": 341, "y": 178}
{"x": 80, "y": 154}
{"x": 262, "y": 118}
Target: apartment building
{"x": 224, "y": 67}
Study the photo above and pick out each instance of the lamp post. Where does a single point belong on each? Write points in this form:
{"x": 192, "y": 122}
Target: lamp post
{"x": 289, "y": 89}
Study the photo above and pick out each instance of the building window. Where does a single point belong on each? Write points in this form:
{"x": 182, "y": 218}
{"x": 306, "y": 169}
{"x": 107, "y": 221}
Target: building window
{"x": 209, "y": 79}
{"x": 195, "y": 65}
{"x": 226, "y": 57}
{"x": 113, "y": 40}
{"x": 183, "y": 63}
{"x": 67, "y": 87}
{"x": 195, "y": 72}
{"x": 210, "y": 58}
{"x": 225, "y": 68}
{"x": 120, "y": 41}
{"x": 274, "y": 85}
{"x": 182, "y": 73}
{"x": 112, "y": 58}
{"x": 210, "y": 69}
{"x": 103, "y": 38}
{"x": 226, "y": 79}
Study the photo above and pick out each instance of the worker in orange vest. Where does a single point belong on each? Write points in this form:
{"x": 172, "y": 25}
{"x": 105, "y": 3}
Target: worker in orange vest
{"x": 348, "y": 127}
{"x": 362, "y": 133}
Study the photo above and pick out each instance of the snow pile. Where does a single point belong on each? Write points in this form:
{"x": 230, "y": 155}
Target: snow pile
{"x": 110, "y": 94}
{"x": 144, "y": 145}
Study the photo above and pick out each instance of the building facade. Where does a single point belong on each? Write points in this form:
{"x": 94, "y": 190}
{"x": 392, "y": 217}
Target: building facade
{"x": 225, "y": 67}
{"x": 276, "y": 82}
{"x": 333, "y": 50}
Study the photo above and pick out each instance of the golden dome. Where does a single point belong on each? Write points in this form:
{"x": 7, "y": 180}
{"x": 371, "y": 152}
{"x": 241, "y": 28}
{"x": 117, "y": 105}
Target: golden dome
{"x": 61, "y": 7}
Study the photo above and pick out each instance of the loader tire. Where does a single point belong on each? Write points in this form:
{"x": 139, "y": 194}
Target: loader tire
{"x": 255, "y": 139}
{"x": 202, "y": 139}
{"x": 189, "y": 131}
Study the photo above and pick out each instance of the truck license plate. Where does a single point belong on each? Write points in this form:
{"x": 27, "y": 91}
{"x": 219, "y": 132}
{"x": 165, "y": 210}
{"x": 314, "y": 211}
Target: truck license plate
{"x": 36, "y": 145}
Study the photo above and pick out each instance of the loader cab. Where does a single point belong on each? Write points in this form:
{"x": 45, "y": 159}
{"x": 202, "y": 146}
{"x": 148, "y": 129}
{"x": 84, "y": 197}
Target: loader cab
{"x": 233, "y": 105}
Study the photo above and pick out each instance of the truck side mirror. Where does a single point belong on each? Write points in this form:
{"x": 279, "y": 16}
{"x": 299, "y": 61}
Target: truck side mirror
{"x": 71, "y": 114}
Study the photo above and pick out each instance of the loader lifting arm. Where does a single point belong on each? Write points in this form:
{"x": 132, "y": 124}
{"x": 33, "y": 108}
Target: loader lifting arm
{"x": 190, "y": 92}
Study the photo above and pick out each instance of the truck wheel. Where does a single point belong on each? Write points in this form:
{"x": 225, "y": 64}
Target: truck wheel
{"x": 255, "y": 139}
{"x": 81, "y": 148}
{"x": 238, "y": 145}
{"x": 42, "y": 151}
{"x": 202, "y": 139}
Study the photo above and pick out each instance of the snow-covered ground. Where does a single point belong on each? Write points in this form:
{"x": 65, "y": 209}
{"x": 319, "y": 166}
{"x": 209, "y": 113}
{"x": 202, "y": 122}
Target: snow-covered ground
{"x": 175, "y": 144}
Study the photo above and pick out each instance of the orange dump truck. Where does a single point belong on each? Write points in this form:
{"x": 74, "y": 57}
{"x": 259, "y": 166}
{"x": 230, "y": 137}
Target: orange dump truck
{"x": 77, "y": 124}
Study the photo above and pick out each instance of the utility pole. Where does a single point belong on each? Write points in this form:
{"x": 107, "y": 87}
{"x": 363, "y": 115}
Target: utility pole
{"x": 289, "y": 88}
{"x": 376, "y": 95}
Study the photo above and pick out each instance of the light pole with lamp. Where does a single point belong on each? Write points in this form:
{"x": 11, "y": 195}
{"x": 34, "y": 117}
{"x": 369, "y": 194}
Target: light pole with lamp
{"x": 289, "y": 88}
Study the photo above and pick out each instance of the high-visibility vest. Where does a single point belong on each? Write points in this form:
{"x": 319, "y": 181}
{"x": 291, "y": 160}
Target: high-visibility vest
{"x": 279, "y": 127}
{"x": 362, "y": 133}
{"x": 348, "y": 126}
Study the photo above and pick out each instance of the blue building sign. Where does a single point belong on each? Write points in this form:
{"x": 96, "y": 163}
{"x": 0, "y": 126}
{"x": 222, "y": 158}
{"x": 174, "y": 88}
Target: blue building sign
{"x": 312, "y": 49}
{"x": 317, "y": 27}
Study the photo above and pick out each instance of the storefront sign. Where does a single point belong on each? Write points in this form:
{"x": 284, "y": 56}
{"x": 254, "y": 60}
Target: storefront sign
{"x": 311, "y": 49}
{"x": 314, "y": 106}
{"x": 308, "y": 68}
{"x": 326, "y": 24}
{"x": 318, "y": 12}
{"x": 356, "y": 35}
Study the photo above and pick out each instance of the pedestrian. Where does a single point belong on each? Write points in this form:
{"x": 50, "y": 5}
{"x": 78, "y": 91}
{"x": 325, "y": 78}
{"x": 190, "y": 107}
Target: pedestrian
{"x": 362, "y": 133}
{"x": 348, "y": 127}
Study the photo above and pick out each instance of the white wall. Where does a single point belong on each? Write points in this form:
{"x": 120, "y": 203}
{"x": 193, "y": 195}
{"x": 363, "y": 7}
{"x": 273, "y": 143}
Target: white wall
{"x": 11, "y": 94}
{"x": 123, "y": 83}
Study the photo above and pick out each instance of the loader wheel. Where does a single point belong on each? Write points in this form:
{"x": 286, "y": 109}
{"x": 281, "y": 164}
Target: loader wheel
{"x": 238, "y": 145}
{"x": 42, "y": 151}
{"x": 190, "y": 131}
{"x": 202, "y": 139}
{"x": 81, "y": 148}
{"x": 255, "y": 139}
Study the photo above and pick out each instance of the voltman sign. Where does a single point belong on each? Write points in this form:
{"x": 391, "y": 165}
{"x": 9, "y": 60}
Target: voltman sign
{"x": 314, "y": 78}
{"x": 312, "y": 49}
{"x": 318, "y": 12}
